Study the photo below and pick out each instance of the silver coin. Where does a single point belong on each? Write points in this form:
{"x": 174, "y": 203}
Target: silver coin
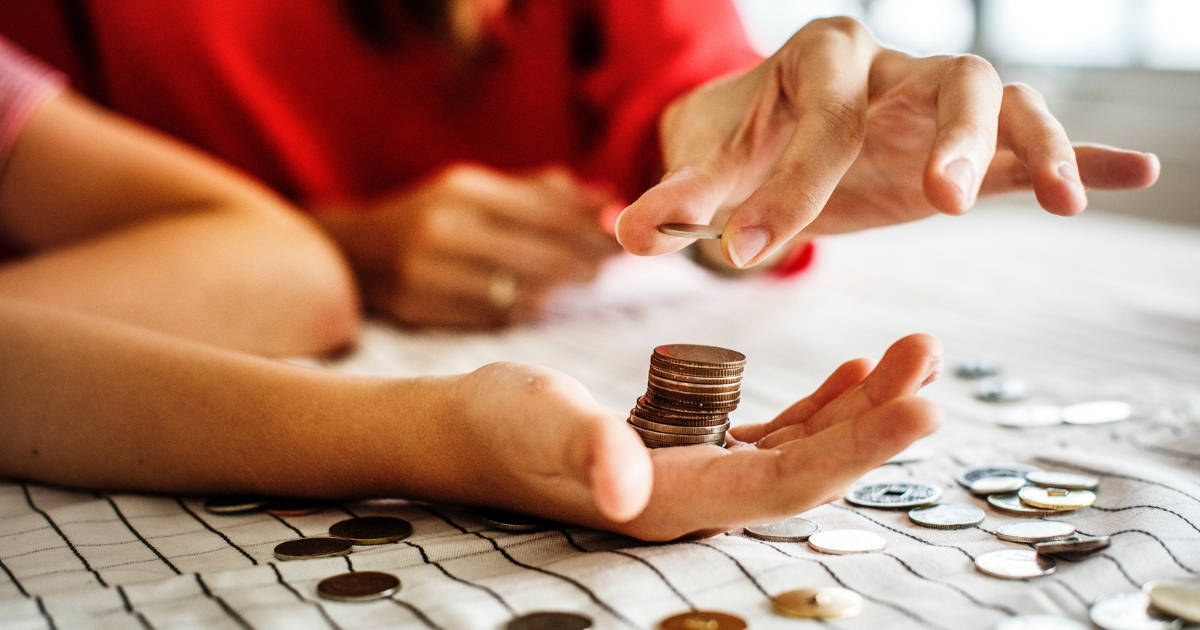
{"x": 1034, "y": 531}
{"x": 691, "y": 230}
{"x": 1001, "y": 390}
{"x": 314, "y": 547}
{"x": 513, "y": 522}
{"x": 894, "y": 495}
{"x": 1129, "y": 611}
{"x": 359, "y": 586}
{"x": 1011, "y": 503}
{"x": 1056, "y": 498}
{"x": 996, "y": 485}
{"x": 844, "y": 541}
{"x": 1014, "y": 564}
{"x": 1028, "y": 416}
{"x": 1177, "y": 599}
{"x": 1073, "y": 545}
{"x": 971, "y": 474}
{"x": 371, "y": 530}
{"x": 1097, "y": 412}
{"x": 947, "y": 516}
{"x": 794, "y": 529}
{"x": 1055, "y": 479}
{"x": 1039, "y": 622}
{"x": 233, "y": 504}
{"x": 549, "y": 620}
{"x": 976, "y": 368}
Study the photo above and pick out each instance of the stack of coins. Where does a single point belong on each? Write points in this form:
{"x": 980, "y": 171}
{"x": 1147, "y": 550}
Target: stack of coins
{"x": 690, "y": 393}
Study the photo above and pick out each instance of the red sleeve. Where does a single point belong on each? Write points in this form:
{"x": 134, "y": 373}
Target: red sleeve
{"x": 653, "y": 51}
{"x": 24, "y": 82}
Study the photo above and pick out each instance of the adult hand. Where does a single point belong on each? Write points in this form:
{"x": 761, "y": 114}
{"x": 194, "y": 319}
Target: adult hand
{"x": 834, "y": 133}
{"x": 535, "y": 441}
{"x": 472, "y": 247}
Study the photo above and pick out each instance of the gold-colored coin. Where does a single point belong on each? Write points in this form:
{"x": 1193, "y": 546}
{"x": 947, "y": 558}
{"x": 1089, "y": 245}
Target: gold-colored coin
{"x": 703, "y": 620}
{"x": 371, "y": 530}
{"x": 315, "y": 547}
{"x": 1179, "y": 599}
{"x": 1056, "y": 498}
{"x": 818, "y": 603}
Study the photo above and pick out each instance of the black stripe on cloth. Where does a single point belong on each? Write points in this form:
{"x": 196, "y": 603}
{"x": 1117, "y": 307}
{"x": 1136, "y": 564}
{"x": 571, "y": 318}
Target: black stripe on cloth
{"x": 1121, "y": 568}
{"x": 138, "y": 535}
{"x": 836, "y": 578}
{"x": 974, "y": 600}
{"x": 1151, "y": 507}
{"x": 287, "y": 524}
{"x": 130, "y": 609}
{"x": 1102, "y": 473}
{"x": 1160, "y": 542}
{"x": 321, "y": 609}
{"x": 507, "y": 556}
{"x": 13, "y": 578}
{"x": 214, "y": 530}
{"x": 416, "y": 612}
{"x": 902, "y": 532}
{"x": 45, "y": 613}
{"x": 741, "y": 567}
{"x": 54, "y": 526}
{"x": 640, "y": 560}
{"x": 233, "y": 614}
{"x": 1074, "y": 593}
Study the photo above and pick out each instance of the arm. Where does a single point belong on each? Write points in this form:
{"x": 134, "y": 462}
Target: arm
{"x": 122, "y": 222}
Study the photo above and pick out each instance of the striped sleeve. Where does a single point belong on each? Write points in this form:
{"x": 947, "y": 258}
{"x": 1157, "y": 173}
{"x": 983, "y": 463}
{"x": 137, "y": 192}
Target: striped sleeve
{"x": 24, "y": 82}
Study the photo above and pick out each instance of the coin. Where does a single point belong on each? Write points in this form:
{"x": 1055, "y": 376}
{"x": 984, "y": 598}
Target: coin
{"x": 703, "y": 620}
{"x": 691, "y": 405}
{"x": 893, "y": 495}
{"x": 971, "y": 474}
{"x": 1056, "y": 498}
{"x": 670, "y": 384}
{"x": 947, "y": 516}
{"x": 1129, "y": 611}
{"x": 549, "y": 620}
{"x": 1097, "y": 412}
{"x": 1001, "y": 390}
{"x": 233, "y": 504}
{"x": 996, "y": 485}
{"x": 730, "y": 378}
{"x": 976, "y": 368}
{"x": 794, "y": 529}
{"x": 1014, "y": 564}
{"x": 1073, "y": 545}
{"x": 293, "y": 507}
{"x": 1177, "y": 599}
{"x": 698, "y": 356}
{"x": 844, "y": 541}
{"x": 359, "y": 586}
{"x": 371, "y": 530}
{"x": 690, "y": 230}
{"x": 1054, "y": 479}
{"x": 683, "y": 430}
{"x": 1034, "y": 531}
{"x": 818, "y": 603}
{"x": 1011, "y": 503}
{"x": 513, "y": 522}
{"x": 1028, "y": 416}
{"x": 315, "y": 547}
{"x": 1039, "y": 622}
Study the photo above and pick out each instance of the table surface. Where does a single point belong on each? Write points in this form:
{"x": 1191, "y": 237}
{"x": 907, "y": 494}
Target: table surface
{"x": 1095, "y": 307}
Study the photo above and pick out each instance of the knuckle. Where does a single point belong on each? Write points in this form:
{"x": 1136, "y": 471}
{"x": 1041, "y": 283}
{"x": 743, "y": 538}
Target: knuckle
{"x": 842, "y": 25}
{"x": 844, "y": 119}
{"x": 973, "y": 64}
{"x": 1023, "y": 92}
{"x": 457, "y": 175}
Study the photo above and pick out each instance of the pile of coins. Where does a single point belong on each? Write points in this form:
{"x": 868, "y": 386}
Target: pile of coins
{"x": 689, "y": 394}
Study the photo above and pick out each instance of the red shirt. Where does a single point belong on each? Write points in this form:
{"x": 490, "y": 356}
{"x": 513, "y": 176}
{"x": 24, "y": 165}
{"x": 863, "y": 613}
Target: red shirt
{"x": 288, "y": 90}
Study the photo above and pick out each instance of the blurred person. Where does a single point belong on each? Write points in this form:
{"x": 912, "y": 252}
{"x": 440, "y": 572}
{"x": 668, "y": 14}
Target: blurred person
{"x": 462, "y": 152}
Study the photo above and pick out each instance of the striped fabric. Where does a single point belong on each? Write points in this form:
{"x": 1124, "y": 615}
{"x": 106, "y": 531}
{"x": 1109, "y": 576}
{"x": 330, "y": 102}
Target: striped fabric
{"x": 1094, "y": 307}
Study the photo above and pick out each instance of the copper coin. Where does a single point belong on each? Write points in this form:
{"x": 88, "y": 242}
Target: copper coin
{"x": 656, "y": 444}
{"x": 549, "y": 620}
{"x": 690, "y": 230}
{"x": 689, "y": 406}
{"x": 513, "y": 522}
{"x": 703, "y": 620}
{"x": 371, "y": 530}
{"x": 688, "y": 354}
{"x": 653, "y": 380}
{"x": 359, "y": 586}
{"x": 672, "y": 439}
{"x": 818, "y": 603}
{"x": 1073, "y": 545}
{"x": 696, "y": 379}
{"x": 676, "y": 429}
{"x": 691, "y": 398}
{"x": 233, "y": 504}
{"x": 293, "y": 507}
{"x": 315, "y": 547}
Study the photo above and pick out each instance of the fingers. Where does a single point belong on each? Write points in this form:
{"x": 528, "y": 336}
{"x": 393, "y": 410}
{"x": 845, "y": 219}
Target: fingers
{"x": 1100, "y": 167}
{"x": 847, "y": 375}
{"x": 968, "y": 103}
{"x": 1040, "y": 143}
{"x": 534, "y": 256}
{"x": 688, "y": 195}
{"x": 617, "y": 468}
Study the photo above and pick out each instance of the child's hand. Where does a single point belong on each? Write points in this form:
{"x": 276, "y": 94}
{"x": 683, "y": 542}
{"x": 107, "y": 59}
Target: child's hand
{"x": 535, "y": 441}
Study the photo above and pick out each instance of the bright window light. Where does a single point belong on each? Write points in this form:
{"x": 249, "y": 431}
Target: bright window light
{"x": 1060, "y": 33}
{"x": 924, "y": 27}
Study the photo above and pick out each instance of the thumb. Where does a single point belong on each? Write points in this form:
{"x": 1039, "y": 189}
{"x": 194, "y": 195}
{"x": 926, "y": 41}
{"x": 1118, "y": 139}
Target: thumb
{"x": 686, "y": 195}
{"x": 617, "y": 469}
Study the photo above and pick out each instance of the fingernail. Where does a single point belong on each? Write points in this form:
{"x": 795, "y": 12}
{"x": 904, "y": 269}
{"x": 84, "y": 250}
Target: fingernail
{"x": 746, "y": 244}
{"x": 1068, "y": 174}
{"x": 962, "y": 175}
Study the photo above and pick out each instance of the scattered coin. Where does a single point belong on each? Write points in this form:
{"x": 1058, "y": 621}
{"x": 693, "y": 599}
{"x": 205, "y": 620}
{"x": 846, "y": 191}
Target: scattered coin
{"x": 549, "y": 620}
{"x": 359, "y": 586}
{"x": 976, "y": 368}
{"x": 947, "y": 516}
{"x": 893, "y": 495}
{"x": 819, "y": 603}
{"x": 996, "y": 485}
{"x": 293, "y": 507}
{"x": 844, "y": 541}
{"x": 1129, "y": 611}
{"x": 1056, "y": 498}
{"x": 1177, "y": 599}
{"x": 1097, "y": 412}
{"x": 1054, "y": 479}
{"x": 1039, "y": 622}
{"x": 703, "y": 620}
{"x": 1001, "y": 390}
{"x": 371, "y": 530}
{"x": 233, "y": 504}
{"x": 1014, "y": 564}
{"x": 1029, "y": 416}
{"x": 971, "y": 474}
{"x": 1011, "y": 504}
{"x": 513, "y": 522}
{"x": 690, "y": 391}
{"x": 315, "y": 547}
{"x": 1034, "y": 531}
{"x": 794, "y": 529}
{"x": 1073, "y": 545}
{"x": 690, "y": 230}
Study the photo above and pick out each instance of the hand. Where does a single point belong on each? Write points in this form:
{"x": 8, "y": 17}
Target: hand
{"x": 472, "y": 247}
{"x": 535, "y": 441}
{"x": 834, "y": 133}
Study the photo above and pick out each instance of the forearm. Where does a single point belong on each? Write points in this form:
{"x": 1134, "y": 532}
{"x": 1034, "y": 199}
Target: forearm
{"x": 94, "y": 403}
